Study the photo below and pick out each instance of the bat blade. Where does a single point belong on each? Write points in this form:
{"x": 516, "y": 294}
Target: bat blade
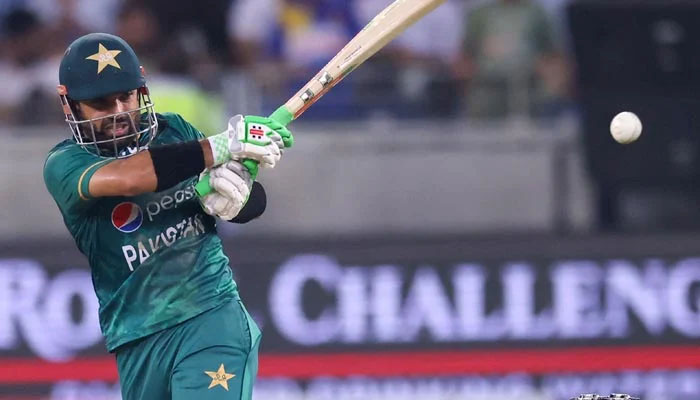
{"x": 381, "y": 30}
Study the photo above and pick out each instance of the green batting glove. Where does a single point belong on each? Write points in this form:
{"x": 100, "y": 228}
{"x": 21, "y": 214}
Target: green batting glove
{"x": 277, "y": 132}
{"x": 245, "y": 140}
{"x": 252, "y": 140}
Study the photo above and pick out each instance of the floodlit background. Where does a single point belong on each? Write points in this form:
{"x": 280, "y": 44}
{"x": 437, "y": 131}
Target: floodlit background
{"x": 454, "y": 222}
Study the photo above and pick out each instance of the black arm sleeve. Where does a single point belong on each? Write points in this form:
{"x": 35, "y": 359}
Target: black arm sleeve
{"x": 257, "y": 202}
{"x": 173, "y": 163}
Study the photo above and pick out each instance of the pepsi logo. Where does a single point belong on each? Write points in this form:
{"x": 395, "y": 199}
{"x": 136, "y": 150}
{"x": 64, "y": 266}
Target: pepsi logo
{"x": 127, "y": 217}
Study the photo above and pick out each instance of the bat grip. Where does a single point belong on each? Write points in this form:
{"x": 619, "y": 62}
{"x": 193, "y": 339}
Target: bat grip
{"x": 203, "y": 187}
{"x": 281, "y": 115}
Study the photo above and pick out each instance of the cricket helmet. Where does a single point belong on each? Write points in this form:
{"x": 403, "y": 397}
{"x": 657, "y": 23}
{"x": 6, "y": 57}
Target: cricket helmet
{"x": 97, "y": 65}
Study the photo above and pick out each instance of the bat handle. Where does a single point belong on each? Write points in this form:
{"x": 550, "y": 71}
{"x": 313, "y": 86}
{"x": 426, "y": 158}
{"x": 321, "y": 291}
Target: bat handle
{"x": 281, "y": 115}
{"x": 203, "y": 187}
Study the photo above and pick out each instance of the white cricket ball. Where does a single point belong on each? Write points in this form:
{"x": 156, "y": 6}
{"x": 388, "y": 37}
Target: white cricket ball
{"x": 626, "y": 127}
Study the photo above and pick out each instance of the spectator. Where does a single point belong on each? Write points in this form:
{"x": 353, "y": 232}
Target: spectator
{"x": 557, "y": 11}
{"x": 292, "y": 39}
{"x": 511, "y": 61}
{"x": 303, "y": 34}
{"x": 206, "y": 20}
{"x": 27, "y": 72}
{"x": 174, "y": 88}
{"x": 6, "y": 6}
{"x": 65, "y": 25}
{"x": 425, "y": 85}
{"x": 86, "y": 15}
{"x": 250, "y": 26}
{"x": 139, "y": 27}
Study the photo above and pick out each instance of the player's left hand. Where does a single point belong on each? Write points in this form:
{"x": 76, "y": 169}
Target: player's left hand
{"x": 231, "y": 184}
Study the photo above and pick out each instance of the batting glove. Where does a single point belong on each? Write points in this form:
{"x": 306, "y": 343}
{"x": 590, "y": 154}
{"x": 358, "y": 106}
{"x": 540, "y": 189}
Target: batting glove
{"x": 231, "y": 184}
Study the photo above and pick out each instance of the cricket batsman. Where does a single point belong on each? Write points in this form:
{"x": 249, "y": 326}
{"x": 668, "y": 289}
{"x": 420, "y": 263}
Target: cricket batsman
{"x": 169, "y": 307}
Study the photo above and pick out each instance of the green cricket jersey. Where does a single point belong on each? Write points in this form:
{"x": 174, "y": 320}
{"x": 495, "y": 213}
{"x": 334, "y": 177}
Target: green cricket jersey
{"x": 155, "y": 258}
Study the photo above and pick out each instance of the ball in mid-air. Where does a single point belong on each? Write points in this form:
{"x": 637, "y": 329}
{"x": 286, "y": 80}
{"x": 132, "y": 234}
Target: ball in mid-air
{"x": 626, "y": 127}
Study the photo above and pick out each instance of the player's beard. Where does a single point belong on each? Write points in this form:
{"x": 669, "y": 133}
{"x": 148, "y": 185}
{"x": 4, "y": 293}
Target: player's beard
{"x": 114, "y": 134}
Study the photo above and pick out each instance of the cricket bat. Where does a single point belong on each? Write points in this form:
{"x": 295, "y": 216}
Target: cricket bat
{"x": 381, "y": 30}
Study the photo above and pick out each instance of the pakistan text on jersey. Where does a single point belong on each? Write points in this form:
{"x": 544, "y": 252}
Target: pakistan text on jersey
{"x": 191, "y": 226}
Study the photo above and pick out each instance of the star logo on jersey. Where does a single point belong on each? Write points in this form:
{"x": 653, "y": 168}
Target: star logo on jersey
{"x": 104, "y": 58}
{"x": 219, "y": 377}
{"x": 127, "y": 217}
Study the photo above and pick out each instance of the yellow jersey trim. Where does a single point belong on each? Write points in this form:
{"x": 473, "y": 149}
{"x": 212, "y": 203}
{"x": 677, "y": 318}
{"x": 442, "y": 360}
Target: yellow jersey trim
{"x": 82, "y": 176}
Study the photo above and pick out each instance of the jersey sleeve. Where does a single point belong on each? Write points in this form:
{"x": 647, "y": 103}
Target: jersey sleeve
{"x": 67, "y": 174}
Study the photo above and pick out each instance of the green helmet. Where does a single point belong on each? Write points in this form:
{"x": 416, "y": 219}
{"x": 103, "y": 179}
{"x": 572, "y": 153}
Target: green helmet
{"x": 98, "y": 65}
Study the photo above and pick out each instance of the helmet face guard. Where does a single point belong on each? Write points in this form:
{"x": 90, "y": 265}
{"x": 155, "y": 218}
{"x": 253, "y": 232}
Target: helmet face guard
{"x": 142, "y": 128}
{"x": 98, "y": 65}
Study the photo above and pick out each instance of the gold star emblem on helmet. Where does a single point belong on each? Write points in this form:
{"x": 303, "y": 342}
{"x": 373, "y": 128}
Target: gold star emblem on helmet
{"x": 104, "y": 58}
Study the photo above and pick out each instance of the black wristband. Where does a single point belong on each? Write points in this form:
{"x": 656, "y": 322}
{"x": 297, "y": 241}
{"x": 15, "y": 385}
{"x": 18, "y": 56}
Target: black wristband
{"x": 257, "y": 202}
{"x": 176, "y": 162}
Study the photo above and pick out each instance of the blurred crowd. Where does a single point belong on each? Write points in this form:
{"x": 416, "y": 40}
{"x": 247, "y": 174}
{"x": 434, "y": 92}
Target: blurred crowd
{"x": 485, "y": 59}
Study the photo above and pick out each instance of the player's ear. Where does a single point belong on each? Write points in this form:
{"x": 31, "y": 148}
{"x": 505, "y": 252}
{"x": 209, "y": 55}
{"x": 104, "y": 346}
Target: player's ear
{"x": 143, "y": 71}
{"x": 67, "y": 104}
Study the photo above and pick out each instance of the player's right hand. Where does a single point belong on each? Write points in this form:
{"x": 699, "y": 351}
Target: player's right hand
{"x": 231, "y": 184}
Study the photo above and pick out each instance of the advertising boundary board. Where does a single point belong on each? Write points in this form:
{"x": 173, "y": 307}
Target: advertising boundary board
{"x": 398, "y": 308}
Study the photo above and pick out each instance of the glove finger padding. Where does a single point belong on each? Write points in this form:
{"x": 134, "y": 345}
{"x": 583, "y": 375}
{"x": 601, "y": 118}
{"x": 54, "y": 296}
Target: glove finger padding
{"x": 276, "y": 127}
{"x": 229, "y": 209}
{"x": 282, "y": 131}
{"x": 222, "y": 204}
{"x": 208, "y": 203}
{"x": 215, "y": 204}
{"x": 218, "y": 205}
{"x": 277, "y": 140}
{"x": 267, "y": 155}
{"x": 240, "y": 170}
{"x": 229, "y": 184}
{"x": 274, "y": 157}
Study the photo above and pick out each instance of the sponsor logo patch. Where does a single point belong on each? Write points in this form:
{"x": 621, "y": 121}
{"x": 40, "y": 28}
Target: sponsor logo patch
{"x": 127, "y": 217}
